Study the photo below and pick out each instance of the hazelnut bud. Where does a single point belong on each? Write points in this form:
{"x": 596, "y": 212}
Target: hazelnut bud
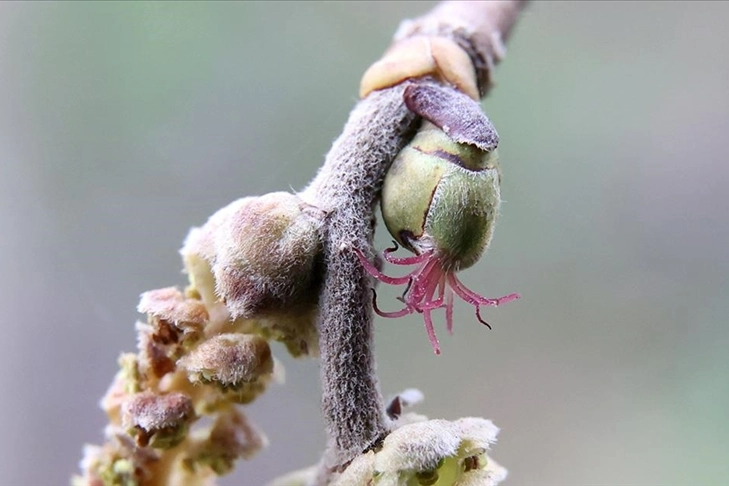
{"x": 440, "y": 199}
{"x": 442, "y": 196}
{"x": 160, "y": 421}
{"x": 229, "y": 438}
{"x": 262, "y": 253}
{"x": 430, "y": 452}
{"x": 230, "y": 360}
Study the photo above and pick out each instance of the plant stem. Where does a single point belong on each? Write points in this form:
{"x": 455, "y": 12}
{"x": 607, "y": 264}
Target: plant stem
{"x": 346, "y": 188}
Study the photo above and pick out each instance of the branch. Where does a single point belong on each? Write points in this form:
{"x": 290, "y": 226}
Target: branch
{"x": 347, "y": 189}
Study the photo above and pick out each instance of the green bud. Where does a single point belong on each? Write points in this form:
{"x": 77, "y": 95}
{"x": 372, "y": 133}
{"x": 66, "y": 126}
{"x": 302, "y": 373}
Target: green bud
{"x": 444, "y": 196}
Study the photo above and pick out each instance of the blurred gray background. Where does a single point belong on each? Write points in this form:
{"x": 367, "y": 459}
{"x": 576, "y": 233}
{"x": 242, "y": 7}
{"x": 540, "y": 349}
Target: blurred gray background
{"x": 123, "y": 124}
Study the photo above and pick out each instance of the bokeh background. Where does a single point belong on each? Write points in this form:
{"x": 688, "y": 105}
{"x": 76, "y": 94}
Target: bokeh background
{"x": 123, "y": 124}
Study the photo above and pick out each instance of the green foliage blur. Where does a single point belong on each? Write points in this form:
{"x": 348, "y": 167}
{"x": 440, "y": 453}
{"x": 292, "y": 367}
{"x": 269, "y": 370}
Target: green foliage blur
{"x": 123, "y": 124}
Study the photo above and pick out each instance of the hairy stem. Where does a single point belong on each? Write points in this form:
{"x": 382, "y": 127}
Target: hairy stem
{"x": 347, "y": 188}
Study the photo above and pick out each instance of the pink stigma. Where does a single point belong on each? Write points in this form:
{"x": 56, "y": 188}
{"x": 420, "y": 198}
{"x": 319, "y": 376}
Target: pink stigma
{"x": 429, "y": 287}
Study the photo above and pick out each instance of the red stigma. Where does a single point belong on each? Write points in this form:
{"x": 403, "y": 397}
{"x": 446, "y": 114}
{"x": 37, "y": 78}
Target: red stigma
{"x": 429, "y": 287}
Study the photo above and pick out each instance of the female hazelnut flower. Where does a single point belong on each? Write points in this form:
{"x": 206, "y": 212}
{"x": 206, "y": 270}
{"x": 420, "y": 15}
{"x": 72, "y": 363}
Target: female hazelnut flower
{"x": 440, "y": 200}
{"x": 430, "y": 286}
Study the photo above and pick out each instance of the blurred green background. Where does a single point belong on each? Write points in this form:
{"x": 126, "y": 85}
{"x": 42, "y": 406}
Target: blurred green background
{"x": 123, "y": 124}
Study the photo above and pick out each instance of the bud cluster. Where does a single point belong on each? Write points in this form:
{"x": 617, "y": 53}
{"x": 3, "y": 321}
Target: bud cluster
{"x": 260, "y": 257}
{"x": 203, "y": 352}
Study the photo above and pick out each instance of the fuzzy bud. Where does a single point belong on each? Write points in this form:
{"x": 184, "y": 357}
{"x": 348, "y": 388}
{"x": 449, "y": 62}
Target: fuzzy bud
{"x": 169, "y": 306}
{"x": 296, "y": 330}
{"x": 262, "y": 254}
{"x": 126, "y": 383}
{"x": 119, "y": 462}
{"x": 430, "y": 452}
{"x": 160, "y": 421}
{"x": 442, "y": 196}
{"x": 231, "y": 437}
{"x": 419, "y": 452}
{"x": 237, "y": 362}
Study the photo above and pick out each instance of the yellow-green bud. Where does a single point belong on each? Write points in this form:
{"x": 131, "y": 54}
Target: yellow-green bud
{"x": 442, "y": 196}
{"x": 440, "y": 199}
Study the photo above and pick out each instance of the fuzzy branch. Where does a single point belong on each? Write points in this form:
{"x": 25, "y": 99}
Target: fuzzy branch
{"x": 347, "y": 189}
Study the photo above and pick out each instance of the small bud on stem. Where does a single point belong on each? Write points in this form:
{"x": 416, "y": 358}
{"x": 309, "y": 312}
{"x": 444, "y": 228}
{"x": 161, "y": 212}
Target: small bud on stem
{"x": 440, "y": 200}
